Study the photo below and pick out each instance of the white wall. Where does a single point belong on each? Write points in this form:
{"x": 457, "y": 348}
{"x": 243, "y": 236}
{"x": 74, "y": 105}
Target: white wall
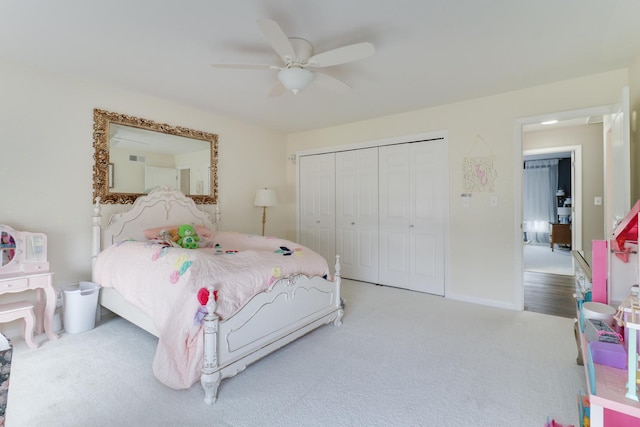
{"x": 484, "y": 263}
{"x": 46, "y": 160}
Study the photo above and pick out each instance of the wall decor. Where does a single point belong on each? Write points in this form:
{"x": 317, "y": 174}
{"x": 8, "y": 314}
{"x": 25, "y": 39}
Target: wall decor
{"x": 478, "y": 168}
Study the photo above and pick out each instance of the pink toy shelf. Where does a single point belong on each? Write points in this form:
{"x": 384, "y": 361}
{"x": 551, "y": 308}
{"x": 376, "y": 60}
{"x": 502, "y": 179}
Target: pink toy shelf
{"x": 613, "y": 395}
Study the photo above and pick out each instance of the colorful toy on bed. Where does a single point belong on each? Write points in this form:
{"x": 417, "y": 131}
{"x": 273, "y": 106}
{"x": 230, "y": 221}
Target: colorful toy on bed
{"x": 203, "y": 243}
{"x": 203, "y": 299}
{"x": 169, "y": 237}
{"x": 188, "y": 237}
{"x": 171, "y": 234}
{"x": 276, "y": 273}
{"x": 285, "y": 251}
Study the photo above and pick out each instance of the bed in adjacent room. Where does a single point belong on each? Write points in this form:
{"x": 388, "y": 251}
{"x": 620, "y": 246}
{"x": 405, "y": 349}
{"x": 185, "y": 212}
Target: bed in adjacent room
{"x": 218, "y": 307}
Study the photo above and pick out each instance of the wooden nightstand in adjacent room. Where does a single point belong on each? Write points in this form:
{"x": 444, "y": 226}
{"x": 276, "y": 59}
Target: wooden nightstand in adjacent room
{"x": 559, "y": 234}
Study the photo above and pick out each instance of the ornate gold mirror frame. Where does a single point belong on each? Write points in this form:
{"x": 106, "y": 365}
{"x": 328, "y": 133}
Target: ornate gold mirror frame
{"x": 103, "y": 171}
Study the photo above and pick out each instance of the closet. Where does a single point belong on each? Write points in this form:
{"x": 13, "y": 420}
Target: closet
{"x": 384, "y": 209}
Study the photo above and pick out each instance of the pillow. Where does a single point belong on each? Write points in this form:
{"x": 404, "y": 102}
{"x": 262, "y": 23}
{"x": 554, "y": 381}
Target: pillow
{"x": 154, "y": 233}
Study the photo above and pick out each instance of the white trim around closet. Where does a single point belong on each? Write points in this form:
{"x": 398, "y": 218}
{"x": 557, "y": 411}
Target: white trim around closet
{"x": 442, "y": 134}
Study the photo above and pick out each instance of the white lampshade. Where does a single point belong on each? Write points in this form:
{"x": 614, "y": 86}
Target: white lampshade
{"x": 265, "y": 197}
{"x": 295, "y": 79}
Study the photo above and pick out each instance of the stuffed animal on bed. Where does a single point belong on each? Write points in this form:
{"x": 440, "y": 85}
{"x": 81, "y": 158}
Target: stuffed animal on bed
{"x": 188, "y": 237}
{"x": 170, "y": 235}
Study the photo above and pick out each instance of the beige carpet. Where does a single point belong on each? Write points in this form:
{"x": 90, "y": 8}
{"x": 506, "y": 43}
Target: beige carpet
{"x": 401, "y": 358}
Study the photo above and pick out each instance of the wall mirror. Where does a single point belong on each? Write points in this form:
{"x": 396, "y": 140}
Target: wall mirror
{"x": 134, "y": 155}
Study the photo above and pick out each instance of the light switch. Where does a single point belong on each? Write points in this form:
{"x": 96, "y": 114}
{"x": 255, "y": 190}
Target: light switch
{"x": 466, "y": 200}
{"x": 493, "y": 201}
{"x": 597, "y": 201}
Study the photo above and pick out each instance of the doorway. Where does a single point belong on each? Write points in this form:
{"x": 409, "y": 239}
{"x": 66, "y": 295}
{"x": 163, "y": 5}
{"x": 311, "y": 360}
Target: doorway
{"x": 550, "y": 182}
{"x": 566, "y": 119}
{"x": 551, "y": 195}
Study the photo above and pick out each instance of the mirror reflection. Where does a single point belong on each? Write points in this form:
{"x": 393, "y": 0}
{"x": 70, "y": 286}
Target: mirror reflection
{"x": 140, "y": 160}
{"x": 133, "y": 155}
{"x": 7, "y": 248}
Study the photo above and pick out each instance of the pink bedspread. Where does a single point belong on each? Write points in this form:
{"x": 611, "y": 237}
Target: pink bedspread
{"x": 164, "y": 281}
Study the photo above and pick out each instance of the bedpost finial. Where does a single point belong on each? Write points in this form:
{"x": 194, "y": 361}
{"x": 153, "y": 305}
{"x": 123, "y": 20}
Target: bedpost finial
{"x": 96, "y": 207}
{"x": 211, "y": 302}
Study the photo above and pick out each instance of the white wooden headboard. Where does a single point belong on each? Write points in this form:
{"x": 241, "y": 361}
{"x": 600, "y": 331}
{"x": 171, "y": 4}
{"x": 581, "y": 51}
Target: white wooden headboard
{"x": 163, "y": 206}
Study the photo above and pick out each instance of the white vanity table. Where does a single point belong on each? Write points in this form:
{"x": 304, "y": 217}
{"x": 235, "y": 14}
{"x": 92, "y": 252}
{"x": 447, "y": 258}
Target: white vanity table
{"x": 24, "y": 267}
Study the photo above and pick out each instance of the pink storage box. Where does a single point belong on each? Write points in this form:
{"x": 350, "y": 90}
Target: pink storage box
{"x": 609, "y": 354}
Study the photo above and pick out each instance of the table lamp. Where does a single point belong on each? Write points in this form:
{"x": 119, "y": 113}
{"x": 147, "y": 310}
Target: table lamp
{"x": 264, "y": 198}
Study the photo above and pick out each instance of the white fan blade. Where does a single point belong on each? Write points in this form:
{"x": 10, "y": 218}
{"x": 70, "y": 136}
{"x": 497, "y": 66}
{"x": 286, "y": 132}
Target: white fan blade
{"x": 331, "y": 82}
{"x": 341, "y": 55}
{"x": 277, "y": 90}
{"x": 247, "y": 66}
{"x": 277, "y": 39}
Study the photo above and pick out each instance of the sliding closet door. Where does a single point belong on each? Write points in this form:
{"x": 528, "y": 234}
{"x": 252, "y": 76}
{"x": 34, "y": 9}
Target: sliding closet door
{"x": 357, "y": 213}
{"x": 317, "y": 204}
{"x": 413, "y": 198}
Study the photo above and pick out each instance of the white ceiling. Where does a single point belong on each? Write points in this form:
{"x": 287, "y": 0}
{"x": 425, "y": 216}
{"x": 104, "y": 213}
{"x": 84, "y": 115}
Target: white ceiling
{"x": 428, "y": 52}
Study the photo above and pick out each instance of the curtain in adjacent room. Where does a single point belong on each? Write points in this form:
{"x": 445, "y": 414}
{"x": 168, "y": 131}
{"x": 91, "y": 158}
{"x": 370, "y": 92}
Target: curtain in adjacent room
{"x": 539, "y": 204}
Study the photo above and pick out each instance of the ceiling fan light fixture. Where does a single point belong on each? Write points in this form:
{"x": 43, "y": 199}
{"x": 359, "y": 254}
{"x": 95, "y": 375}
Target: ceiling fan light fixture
{"x": 295, "y": 79}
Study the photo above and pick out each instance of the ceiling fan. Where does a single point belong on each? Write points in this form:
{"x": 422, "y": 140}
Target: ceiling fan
{"x": 297, "y": 55}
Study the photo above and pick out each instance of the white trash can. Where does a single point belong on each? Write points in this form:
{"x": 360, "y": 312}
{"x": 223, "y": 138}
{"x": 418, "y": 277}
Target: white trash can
{"x": 79, "y": 306}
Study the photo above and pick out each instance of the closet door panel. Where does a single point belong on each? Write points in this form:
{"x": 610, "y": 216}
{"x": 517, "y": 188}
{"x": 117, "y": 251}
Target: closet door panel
{"x": 358, "y": 255}
{"x": 394, "y": 215}
{"x": 394, "y": 259}
{"x": 321, "y": 240}
{"x": 357, "y": 213}
{"x": 428, "y": 207}
{"x": 394, "y": 187}
{"x": 346, "y": 246}
{"x": 413, "y": 188}
{"x": 368, "y": 254}
{"x": 317, "y": 204}
{"x": 424, "y": 262}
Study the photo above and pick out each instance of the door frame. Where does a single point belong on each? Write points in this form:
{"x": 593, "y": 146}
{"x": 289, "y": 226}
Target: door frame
{"x": 519, "y": 178}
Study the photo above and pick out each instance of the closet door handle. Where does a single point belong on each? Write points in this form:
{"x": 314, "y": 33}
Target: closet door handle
{"x": 353, "y": 223}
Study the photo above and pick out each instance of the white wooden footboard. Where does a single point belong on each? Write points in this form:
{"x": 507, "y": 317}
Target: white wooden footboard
{"x": 292, "y": 307}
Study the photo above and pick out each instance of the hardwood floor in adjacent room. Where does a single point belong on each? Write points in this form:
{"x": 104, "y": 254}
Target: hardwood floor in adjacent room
{"x": 549, "y": 294}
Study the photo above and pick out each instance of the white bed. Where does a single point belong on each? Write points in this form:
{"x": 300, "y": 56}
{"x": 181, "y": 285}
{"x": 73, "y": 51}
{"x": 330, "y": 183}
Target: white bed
{"x": 291, "y": 307}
